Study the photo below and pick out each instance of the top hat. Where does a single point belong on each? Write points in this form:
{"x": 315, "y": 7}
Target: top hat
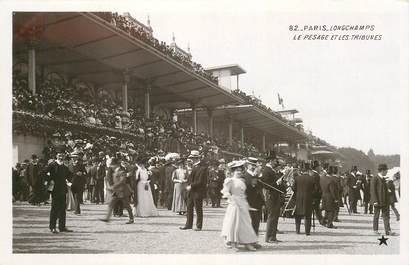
{"x": 382, "y": 167}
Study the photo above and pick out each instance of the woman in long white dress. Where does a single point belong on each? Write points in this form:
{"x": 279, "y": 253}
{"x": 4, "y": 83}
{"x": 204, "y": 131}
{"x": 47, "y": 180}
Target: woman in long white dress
{"x": 237, "y": 228}
{"x": 145, "y": 206}
{"x": 179, "y": 177}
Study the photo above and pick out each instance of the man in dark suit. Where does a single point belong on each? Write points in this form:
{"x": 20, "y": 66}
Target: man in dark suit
{"x": 304, "y": 184}
{"x": 35, "y": 180}
{"x": 366, "y": 187}
{"x": 57, "y": 175}
{"x": 271, "y": 177}
{"x": 254, "y": 193}
{"x": 380, "y": 199}
{"x": 317, "y": 193}
{"x": 100, "y": 179}
{"x": 196, "y": 191}
{"x": 353, "y": 189}
{"x": 78, "y": 181}
{"x": 329, "y": 196}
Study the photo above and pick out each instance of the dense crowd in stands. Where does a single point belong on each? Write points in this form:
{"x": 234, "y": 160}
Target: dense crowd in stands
{"x": 142, "y": 34}
{"x": 57, "y": 100}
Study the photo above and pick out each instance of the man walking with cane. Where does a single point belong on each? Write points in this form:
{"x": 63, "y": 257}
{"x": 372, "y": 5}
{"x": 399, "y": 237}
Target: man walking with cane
{"x": 271, "y": 180}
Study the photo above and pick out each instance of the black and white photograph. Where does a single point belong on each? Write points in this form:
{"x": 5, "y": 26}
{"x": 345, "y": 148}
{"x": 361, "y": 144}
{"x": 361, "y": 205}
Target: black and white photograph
{"x": 218, "y": 132}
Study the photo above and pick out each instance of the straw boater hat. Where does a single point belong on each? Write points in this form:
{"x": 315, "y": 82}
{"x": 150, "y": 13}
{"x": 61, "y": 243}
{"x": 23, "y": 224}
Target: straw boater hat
{"x": 252, "y": 160}
{"x": 194, "y": 154}
{"x": 236, "y": 164}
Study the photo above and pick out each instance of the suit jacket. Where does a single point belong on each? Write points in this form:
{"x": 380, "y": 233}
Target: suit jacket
{"x": 101, "y": 172}
{"x": 120, "y": 187}
{"x": 79, "y": 178}
{"x": 92, "y": 175}
{"x": 329, "y": 193}
{"x": 60, "y": 174}
{"x": 254, "y": 195}
{"x": 317, "y": 192}
{"x": 304, "y": 186}
{"x": 198, "y": 180}
{"x": 392, "y": 193}
{"x": 270, "y": 176}
{"x": 34, "y": 175}
{"x": 379, "y": 191}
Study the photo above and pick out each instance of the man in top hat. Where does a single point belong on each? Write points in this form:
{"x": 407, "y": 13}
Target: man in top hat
{"x": 366, "y": 187}
{"x": 100, "y": 179}
{"x": 271, "y": 181}
{"x": 57, "y": 174}
{"x": 79, "y": 178}
{"x": 353, "y": 189}
{"x": 316, "y": 170}
{"x": 35, "y": 180}
{"x": 196, "y": 191}
{"x": 337, "y": 182}
{"x": 304, "y": 185}
{"x": 329, "y": 196}
{"x": 380, "y": 199}
{"x": 254, "y": 192}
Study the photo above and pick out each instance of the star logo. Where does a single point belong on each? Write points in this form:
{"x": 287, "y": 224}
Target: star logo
{"x": 382, "y": 240}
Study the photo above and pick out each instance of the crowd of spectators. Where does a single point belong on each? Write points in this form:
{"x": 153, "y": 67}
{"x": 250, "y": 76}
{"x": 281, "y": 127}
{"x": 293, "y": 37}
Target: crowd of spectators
{"x": 140, "y": 33}
{"x": 58, "y": 102}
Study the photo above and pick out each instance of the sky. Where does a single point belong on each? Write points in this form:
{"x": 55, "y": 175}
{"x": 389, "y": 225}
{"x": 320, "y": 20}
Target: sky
{"x": 349, "y": 93}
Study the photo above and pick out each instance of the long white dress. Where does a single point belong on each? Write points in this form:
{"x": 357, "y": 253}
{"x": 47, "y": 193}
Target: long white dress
{"x": 179, "y": 201}
{"x": 145, "y": 206}
{"x": 237, "y": 226}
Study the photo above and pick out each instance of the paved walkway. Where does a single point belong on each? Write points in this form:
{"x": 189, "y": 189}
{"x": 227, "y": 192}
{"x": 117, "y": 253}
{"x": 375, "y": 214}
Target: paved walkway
{"x": 160, "y": 235}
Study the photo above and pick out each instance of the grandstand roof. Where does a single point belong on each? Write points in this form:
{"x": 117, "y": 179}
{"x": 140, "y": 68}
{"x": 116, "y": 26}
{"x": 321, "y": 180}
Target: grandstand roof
{"x": 234, "y": 68}
{"x": 85, "y": 46}
{"x": 251, "y": 116}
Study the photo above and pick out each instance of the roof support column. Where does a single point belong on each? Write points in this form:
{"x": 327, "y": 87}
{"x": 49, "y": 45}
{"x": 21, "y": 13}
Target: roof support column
{"x": 231, "y": 131}
{"x": 125, "y": 92}
{"x": 263, "y": 144}
{"x": 211, "y": 121}
{"x": 32, "y": 69}
{"x": 148, "y": 100}
{"x": 194, "y": 118}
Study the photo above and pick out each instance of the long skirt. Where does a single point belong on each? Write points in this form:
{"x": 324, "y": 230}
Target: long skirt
{"x": 179, "y": 198}
{"x": 70, "y": 200}
{"x": 237, "y": 226}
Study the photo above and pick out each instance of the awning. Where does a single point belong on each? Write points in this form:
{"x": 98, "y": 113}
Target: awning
{"x": 252, "y": 116}
{"x": 85, "y": 46}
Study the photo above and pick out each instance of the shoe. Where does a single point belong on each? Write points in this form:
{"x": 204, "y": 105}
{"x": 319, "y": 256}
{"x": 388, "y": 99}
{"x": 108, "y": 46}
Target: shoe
{"x": 297, "y": 232}
{"x": 78, "y": 214}
{"x": 104, "y": 220}
{"x": 391, "y": 234}
{"x": 227, "y": 245}
{"x": 54, "y": 231}
{"x": 279, "y": 232}
{"x": 65, "y": 230}
{"x": 397, "y": 218}
{"x": 184, "y": 228}
{"x": 250, "y": 247}
{"x": 307, "y": 234}
{"x": 131, "y": 221}
{"x": 257, "y": 245}
{"x": 376, "y": 232}
{"x": 198, "y": 229}
{"x": 275, "y": 241}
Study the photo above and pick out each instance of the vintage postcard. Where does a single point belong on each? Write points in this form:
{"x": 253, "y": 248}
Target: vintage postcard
{"x": 204, "y": 132}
